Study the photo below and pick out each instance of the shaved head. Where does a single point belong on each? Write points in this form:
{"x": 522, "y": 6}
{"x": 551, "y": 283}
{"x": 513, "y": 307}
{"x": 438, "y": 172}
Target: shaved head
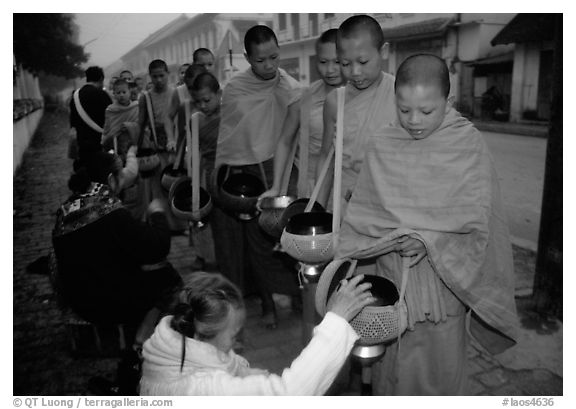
{"x": 359, "y": 25}
{"x": 424, "y": 69}
{"x": 201, "y": 52}
{"x": 328, "y": 36}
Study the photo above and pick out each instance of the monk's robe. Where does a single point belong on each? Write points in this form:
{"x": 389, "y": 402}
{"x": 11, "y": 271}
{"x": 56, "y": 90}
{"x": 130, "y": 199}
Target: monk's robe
{"x": 364, "y": 115}
{"x": 253, "y": 113}
{"x": 442, "y": 190}
{"x": 115, "y": 117}
{"x": 208, "y": 136}
{"x": 152, "y": 185}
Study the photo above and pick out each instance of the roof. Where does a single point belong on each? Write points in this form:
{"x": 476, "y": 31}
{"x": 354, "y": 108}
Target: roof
{"x": 528, "y": 27}
{"x": 163, "y": 32}
{"x": 424, "y": 29}
{"x": 195, "y": 21}
{"x": 496, "y": 59}
{"x": 168, "y": 30}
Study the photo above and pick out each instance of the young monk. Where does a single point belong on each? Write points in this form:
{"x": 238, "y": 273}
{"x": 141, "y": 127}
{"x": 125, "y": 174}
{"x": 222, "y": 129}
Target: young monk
{"x": 206, "y": 95}
{"x": 254, "y": 107}
{"x": 311, "y": 105}
{"x": 159, "y": 98}
{"x": 123, "y": 110}
{"x": 369, "y": 99}
{"x": 175, "y": 118}
{"x": 430, "y": 174}
{"x": 205, "y": 58}
{"x": 181, "y": 72}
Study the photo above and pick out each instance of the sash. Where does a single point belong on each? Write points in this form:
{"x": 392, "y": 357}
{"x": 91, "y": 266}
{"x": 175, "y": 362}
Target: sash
{"x": 87, "y": 120}
{"x": 304, "y": 148}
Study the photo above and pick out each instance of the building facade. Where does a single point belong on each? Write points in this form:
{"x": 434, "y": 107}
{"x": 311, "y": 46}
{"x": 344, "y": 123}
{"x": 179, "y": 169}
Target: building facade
{"x": 222, "y": 33}
{"x": 533, "y": 56}
{"x": 516, "y": 71}
{"x": 462, "y": 40}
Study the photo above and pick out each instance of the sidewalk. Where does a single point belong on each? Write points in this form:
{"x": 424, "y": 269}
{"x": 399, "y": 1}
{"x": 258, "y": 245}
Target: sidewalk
{"x": 528, "y": 129}
{"x": 43, "y": 364}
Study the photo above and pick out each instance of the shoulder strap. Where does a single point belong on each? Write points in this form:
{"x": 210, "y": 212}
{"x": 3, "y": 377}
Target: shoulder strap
{"x": 87, "y": 120}
{"x": 305, "y": 106}
{"x": 150, "y": 115}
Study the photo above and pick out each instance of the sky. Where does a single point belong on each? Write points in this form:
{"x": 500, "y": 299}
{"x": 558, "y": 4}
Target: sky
{"x": 107, "y": 36}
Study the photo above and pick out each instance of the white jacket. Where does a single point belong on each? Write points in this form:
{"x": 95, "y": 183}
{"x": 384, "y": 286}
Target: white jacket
{"x": 208, "y": 371}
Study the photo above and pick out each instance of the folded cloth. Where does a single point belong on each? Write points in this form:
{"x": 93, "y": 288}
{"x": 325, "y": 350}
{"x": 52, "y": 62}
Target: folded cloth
{"x": 445, "y": 190}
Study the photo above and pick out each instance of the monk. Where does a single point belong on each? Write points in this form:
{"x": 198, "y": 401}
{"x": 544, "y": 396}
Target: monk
{"x": 369, "y": 99}
{"x": 254, "y": 106}
{"x": 428, "y": 191}
{"x": 175, "y": 118}
{"x": 116, "y": 116}
{"x": 306, "y": 116}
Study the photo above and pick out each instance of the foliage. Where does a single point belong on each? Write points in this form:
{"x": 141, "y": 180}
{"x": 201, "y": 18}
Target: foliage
{"x": 44, "y": 43}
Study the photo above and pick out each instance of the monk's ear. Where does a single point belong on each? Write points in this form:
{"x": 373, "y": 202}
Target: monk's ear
{"x": 384, "y": 51}
{"x": 247, "y": 58}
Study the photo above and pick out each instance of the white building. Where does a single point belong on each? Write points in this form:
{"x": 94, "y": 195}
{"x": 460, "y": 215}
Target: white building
{"x": 176, "y": 42}
{"x": 532, "y": 76}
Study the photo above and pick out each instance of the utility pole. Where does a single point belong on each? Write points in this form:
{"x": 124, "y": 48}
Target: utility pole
{"x": 548, "y": 295}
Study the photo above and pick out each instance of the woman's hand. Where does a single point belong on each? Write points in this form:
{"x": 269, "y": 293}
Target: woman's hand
{"x": 410, "y": 247}
{"x": 349, "y": 298}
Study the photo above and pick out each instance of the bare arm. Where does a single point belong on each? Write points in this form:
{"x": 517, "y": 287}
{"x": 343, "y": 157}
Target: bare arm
{"x": 169, "y": 119}
{"x": 285, "y": 144}
{"x": 328, "y": 134}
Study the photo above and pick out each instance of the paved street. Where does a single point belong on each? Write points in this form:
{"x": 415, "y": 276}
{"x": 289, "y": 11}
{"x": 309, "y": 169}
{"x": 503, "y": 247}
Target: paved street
{"x": 520, "y": 163}
{"x": 44, "y": 365}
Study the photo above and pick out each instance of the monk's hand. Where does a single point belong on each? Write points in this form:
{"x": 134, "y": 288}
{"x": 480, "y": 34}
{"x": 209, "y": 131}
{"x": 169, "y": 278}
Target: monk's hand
{"x": 269, "y": 193}
{"x": 410, "y": 247}
{"x": 171, "y": 146}
{"x": 350, "y": 297}
{"x": 132, "y": 150}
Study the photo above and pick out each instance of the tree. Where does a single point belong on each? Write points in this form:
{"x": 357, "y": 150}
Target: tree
{"x": 44, "y": 43}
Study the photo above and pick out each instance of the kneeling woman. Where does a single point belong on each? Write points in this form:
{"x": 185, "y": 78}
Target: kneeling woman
{"x": 112, "y": 268}
{"x": 190, "y": 353}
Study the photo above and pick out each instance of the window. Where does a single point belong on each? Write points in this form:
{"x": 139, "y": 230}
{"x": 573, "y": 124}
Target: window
{"x": 282, "y": 21}
{"x": 313, "y": 24}
{"x": 295, "y": 18}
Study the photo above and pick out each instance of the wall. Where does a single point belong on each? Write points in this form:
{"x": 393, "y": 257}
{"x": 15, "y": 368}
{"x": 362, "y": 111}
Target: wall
{"x": 23, "y": 130}
{"x": 25, "y": 86}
